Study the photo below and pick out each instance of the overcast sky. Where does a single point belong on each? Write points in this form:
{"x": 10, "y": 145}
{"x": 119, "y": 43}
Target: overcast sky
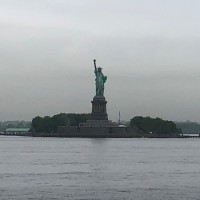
{"x": 148, "y": 49}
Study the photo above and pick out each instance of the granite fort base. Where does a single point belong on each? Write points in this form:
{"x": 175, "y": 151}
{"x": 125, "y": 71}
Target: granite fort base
{"x": 92, "y": 132}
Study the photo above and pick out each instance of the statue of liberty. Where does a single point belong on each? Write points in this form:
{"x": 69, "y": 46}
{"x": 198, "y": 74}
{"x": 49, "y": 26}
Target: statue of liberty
{"x": 100, "y": 80}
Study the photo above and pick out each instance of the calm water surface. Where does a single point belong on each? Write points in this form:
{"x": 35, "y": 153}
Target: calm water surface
{"x": 77, "y": 168}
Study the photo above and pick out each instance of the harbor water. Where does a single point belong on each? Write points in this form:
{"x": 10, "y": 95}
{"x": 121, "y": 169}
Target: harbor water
{"x": 83, "y": 168}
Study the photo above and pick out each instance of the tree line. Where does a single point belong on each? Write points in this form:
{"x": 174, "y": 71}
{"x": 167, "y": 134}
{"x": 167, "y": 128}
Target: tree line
{"x": 189, "y": 127}
{"x": 156, "y": 126}
{"x": 50, "y": 124}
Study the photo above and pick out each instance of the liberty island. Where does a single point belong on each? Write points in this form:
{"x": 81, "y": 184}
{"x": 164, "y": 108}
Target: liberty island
{"x": 97, "y": 123}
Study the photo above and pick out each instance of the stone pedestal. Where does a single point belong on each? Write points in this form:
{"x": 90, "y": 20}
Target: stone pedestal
{"x": 99, "y": 111}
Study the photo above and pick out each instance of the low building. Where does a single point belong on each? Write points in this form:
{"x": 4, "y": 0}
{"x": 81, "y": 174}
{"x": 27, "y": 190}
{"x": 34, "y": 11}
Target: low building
{"x": 14, "y": 131}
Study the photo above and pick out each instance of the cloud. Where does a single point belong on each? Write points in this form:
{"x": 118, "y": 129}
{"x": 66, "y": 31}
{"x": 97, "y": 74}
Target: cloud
{"x": 148, "y": 50}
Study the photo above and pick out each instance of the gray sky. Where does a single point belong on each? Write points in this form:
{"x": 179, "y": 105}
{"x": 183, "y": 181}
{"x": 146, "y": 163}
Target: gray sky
{"x": 149, "y": 49}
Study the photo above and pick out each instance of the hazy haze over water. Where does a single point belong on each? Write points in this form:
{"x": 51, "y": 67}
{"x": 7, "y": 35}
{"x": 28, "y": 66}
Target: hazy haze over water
{"x": 66, "y": 168}
{"x": 149, "y": 49}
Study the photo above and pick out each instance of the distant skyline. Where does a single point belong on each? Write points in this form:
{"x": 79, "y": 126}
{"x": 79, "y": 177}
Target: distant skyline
{"x": 148, "y": 49}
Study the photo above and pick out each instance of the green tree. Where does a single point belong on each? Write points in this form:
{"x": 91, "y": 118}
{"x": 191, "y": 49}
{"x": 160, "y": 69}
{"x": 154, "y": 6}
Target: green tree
{"x": 37, "y": 124}
{"x": 155, "y": 126}
{"x": 50, "y": 124}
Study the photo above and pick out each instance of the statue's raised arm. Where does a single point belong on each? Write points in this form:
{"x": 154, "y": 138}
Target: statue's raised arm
{"x": 95, "y": 67}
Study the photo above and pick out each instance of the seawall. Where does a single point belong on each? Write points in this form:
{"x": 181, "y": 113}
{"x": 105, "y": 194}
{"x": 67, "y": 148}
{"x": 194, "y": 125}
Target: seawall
{"x": 93, "y": 132}
{"x": 102, "y": 132}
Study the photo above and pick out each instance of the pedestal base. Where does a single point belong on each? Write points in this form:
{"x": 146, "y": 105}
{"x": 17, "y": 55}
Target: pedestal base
{"x": 98, "y": 123}
{"x": 99, "y": 111}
